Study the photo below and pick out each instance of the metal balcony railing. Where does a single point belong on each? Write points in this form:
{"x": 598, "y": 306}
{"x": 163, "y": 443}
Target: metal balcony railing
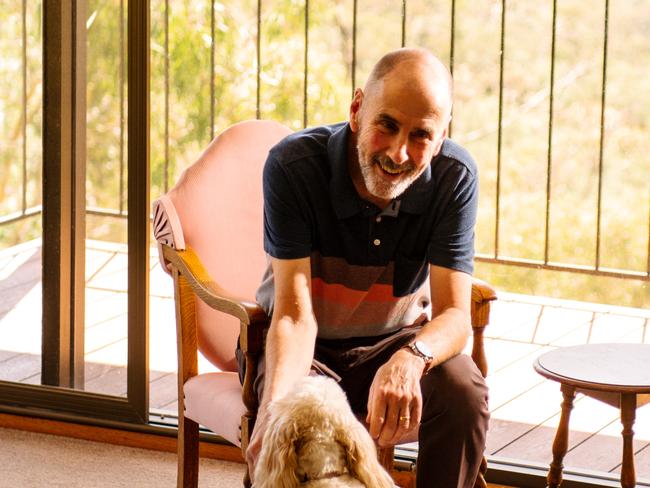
{"x": 407, "y": 14}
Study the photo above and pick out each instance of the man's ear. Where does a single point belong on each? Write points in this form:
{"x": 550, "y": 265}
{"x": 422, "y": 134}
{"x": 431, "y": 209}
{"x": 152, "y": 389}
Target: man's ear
{"x": 355, "y": 108}
{"x": 441, "y": 139}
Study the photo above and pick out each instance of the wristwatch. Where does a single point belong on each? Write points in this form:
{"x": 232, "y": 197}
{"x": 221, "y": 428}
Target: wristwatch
{"x": 421, "y": 350}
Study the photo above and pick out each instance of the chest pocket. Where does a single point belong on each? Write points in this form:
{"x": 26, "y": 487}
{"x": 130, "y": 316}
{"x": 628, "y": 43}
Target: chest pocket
{"x": 408, "y": 275}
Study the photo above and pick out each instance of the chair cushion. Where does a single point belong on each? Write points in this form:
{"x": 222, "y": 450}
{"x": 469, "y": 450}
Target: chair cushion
{"x": 214, "y": 400}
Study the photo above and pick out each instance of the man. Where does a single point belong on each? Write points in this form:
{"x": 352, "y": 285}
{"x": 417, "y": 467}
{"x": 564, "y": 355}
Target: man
{"x": 369, "y": 226}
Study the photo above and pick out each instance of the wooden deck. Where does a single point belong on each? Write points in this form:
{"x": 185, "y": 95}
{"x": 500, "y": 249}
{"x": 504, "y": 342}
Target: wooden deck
{"x": 525, "y": 407}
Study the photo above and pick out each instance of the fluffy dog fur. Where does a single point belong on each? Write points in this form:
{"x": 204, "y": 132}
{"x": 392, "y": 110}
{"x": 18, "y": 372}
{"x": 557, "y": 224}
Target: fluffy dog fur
{"x": 314, "y": 440}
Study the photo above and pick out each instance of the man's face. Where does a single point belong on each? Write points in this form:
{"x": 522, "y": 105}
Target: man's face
{"x": 398, "y": 134}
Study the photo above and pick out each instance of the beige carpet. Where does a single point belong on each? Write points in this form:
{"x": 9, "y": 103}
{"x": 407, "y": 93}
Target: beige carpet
{"x": 29, "y": 460}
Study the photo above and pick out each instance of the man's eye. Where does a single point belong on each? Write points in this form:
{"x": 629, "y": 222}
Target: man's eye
{"x": 421, "y": 134}
{"x": 387, "y": 124}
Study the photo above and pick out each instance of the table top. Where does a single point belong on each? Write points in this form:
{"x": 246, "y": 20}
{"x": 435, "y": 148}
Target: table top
{"x": 603, "y": 367}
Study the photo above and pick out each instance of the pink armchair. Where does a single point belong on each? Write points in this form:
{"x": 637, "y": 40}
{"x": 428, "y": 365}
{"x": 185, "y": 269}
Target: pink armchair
{"x": 209, "y": 230}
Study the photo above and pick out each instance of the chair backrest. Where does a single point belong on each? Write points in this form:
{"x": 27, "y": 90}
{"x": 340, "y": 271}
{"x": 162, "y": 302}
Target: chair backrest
{"x": 216, "y": 209}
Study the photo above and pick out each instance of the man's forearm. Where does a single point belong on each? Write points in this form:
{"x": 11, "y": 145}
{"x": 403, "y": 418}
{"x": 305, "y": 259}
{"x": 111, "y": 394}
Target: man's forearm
{"x": 289, "y": 352}
{"x": 446, "y": 334}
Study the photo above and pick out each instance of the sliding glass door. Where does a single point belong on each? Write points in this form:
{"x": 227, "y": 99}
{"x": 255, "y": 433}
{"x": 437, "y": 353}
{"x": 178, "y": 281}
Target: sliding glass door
{"x": 74, "y": 232}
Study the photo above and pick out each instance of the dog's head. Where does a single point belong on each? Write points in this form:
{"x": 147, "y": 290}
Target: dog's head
{"x": 313, "y": 435}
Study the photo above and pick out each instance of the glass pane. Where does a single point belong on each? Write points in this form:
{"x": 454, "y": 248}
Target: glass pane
{"x": 106, "y": 323}
{"x": 185, "y": 114}
{"x": 20, "y": 191}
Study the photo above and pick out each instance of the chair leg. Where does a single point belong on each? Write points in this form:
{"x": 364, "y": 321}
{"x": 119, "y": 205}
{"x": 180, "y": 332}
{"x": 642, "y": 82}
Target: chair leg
{"x": 246, "y": 427}
{"x": 188, "y": 454}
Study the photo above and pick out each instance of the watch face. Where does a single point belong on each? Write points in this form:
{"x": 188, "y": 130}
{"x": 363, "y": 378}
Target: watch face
{"x": 423, "y": 349}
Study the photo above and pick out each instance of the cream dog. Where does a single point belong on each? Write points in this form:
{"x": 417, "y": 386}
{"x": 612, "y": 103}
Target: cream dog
{"x": 314, "y": 440}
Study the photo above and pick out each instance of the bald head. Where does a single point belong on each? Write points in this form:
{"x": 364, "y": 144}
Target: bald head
{"x": 416, "y": 70}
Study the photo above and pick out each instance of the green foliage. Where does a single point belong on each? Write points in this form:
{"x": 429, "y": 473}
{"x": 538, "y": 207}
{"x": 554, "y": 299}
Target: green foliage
{"x": 556, "y": 169}
{"x": 106, "y": 110}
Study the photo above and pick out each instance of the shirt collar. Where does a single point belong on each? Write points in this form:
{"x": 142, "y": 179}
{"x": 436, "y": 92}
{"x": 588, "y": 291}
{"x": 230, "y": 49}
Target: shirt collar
{"x": 343, "y": 195}
{"x": 344, "y": 198}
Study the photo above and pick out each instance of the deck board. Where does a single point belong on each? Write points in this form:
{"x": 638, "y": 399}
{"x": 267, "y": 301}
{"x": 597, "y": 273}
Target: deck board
{"x": 588, "y": 416}
{"x": 525, "y": 407}
{"x": 163, "y": 391}
{"x": 519, "y": 377}
{"x": 642, "y": 464}
{"x": 501, "y": 354}
{"x": 558, "y": 322}
{"x": 20, "y": 367}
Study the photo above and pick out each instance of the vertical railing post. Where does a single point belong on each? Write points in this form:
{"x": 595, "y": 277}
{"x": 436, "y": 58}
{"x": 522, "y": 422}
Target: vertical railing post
{"x": 603, "y": 101}
{"x": 259, "y": 60}
{"x": 306, "y": 61}
{"x": 500, "y": 129}
{"x": 212, "y": 47}
{"x": 122, "y": 77}
{"x": 648, "y": 257}
{"x": 166, "y": 96}
{"x": 354, "y": 47}
{"x": 452, "y": 52}
{"x": 549, "y": 153}
{"x": 403, "y": 23}
{"x": 24, "y": 112}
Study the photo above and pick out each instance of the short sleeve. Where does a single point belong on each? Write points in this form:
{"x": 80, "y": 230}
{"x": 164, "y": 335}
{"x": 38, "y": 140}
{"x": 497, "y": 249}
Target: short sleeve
{"x": 452, "y": 242}
{"x": 287, "y": 232}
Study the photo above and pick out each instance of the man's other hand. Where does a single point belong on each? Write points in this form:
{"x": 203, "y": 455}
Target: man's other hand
{"x": 395, "y": 398}
{"x": 255, "y": 443}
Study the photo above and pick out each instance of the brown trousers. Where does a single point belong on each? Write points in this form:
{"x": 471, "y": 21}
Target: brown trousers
{"x": 455, "y": 411}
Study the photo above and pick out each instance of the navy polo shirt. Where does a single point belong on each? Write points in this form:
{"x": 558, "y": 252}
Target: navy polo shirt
{"x": 369, "y": 266}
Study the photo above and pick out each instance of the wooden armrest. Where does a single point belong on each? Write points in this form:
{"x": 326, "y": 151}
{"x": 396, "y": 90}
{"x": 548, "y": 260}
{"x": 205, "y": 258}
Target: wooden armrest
{"x": 190, "y": 266}
{"x": 482, "y": 295}
{"x": 482, "y": 291}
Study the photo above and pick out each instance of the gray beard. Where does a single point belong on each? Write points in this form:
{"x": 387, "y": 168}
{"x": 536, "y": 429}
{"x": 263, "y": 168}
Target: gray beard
{"x": 378, "y": 188}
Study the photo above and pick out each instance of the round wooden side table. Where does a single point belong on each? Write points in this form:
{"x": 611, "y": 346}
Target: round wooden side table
{"x": 617, "y": 374}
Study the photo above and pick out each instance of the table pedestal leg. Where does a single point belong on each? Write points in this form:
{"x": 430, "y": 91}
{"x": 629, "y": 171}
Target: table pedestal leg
{"x": 561, "y": 442}
{"x": 628, "y": 413}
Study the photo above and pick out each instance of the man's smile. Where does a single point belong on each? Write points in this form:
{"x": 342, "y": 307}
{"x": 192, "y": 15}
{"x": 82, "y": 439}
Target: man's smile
{"x": 387, "y": 165}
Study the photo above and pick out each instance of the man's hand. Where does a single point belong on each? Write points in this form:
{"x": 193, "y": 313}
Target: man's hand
{"x": 255, "y": 443}
{"x": 395, "y": 398}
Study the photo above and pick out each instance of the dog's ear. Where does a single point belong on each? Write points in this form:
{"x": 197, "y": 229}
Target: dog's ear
{"x": 277, "y": 465}
{"x": 362, "y": 457}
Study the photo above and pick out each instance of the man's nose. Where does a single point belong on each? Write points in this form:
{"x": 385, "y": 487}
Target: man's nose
{"x": 398, "y": 151}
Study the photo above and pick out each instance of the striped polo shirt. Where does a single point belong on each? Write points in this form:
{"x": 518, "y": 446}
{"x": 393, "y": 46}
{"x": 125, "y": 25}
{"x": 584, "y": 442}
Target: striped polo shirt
{"x": 369, "y": 266}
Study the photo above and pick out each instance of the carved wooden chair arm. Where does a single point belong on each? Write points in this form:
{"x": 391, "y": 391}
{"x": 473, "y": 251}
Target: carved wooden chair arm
{"x": 482, "y": 295}
{"x": 192, "y": 269}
